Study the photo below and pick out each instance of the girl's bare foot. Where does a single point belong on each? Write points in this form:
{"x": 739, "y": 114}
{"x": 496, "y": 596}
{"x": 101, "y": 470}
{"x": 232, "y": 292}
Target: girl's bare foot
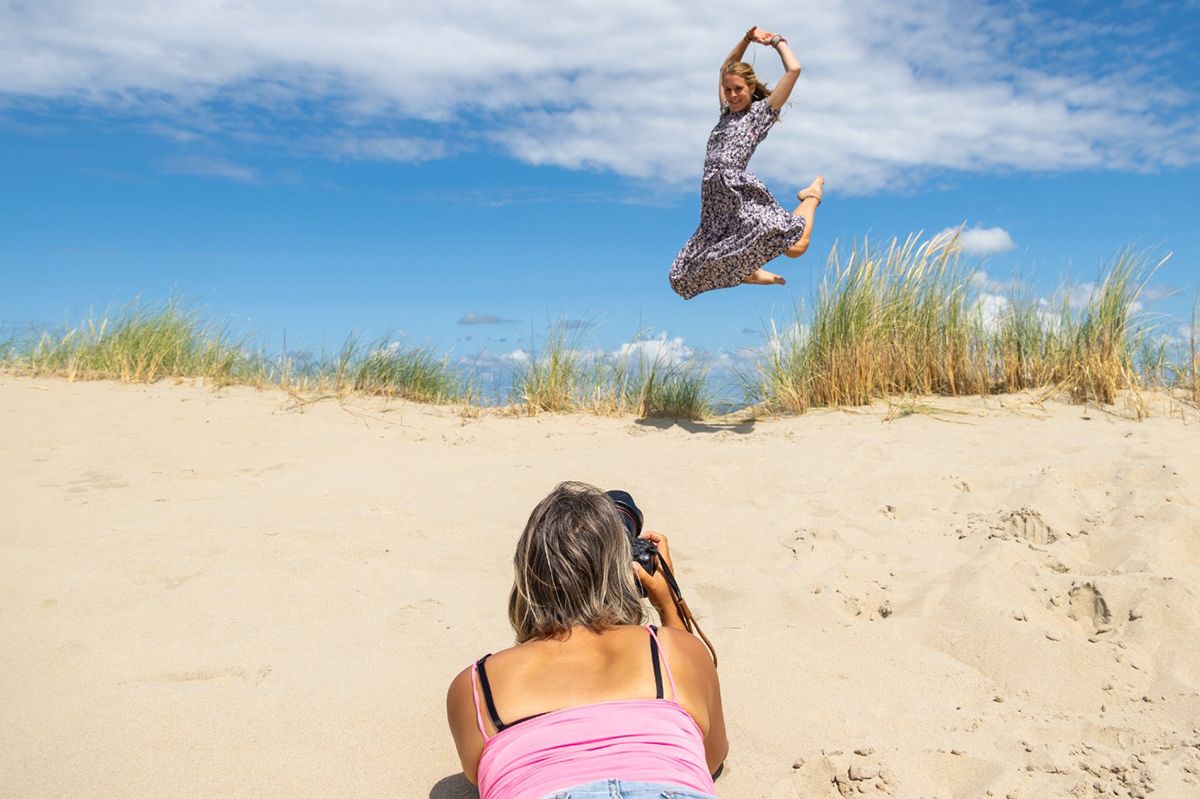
{"x": 762, "y": 277}
{"x": 814, "y": 190}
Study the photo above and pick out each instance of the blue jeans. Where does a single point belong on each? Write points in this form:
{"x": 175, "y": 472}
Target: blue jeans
{"x": 623, "y": 789}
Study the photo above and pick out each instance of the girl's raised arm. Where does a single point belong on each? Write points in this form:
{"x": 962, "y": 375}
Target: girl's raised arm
{"x": 735, "y": 54}
{"x": 791, "y": 65}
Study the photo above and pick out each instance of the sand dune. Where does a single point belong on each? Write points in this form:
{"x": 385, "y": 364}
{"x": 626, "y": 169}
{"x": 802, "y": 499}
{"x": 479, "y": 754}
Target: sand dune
{"x": 225, "y": 594}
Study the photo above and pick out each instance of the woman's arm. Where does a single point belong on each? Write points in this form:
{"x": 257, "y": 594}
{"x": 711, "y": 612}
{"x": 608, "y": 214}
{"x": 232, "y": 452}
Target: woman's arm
{"x": 699, "y": 691}
{"x": 735, "y": 54}
{"x": 464, "y": 726}
{"x": 739, "y": 49}
{"x": 791, "y": 65}
{"x": 716, "y": 743}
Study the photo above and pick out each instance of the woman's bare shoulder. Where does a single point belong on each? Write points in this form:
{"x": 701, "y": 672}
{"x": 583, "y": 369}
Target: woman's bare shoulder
{"x": 682, "y": 643}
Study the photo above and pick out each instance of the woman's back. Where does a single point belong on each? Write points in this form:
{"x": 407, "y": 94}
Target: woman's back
{"x": 591, "y": 706}
{"x": 544, "y": 675}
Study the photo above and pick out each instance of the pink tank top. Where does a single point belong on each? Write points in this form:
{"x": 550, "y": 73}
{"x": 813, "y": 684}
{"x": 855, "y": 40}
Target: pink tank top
{"x": 642, "y": 740}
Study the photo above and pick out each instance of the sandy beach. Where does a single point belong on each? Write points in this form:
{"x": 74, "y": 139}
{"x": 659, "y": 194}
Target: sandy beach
{"x": 229, "y": 593}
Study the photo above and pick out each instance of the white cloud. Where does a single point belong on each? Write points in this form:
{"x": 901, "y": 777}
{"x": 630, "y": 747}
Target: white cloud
{"x": 1074, "y": 296}
{"x": 1077, "y": 297}
{"x": 986, "y": 241}
{"x": 658, "y": 350}
{"x": 661, "y": 350}
{"x": 983, "y": 282}
{"x": 976, "y": 241}
{"x": 890, "y": 93}
{"x": 992, "y": 308}
{"x": 490, "y": 363}
{"x": 394, "y": 346}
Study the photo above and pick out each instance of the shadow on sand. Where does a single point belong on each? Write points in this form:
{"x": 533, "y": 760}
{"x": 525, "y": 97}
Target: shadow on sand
{"x": 741, "y": 427}
{"x": 453, "y": 787}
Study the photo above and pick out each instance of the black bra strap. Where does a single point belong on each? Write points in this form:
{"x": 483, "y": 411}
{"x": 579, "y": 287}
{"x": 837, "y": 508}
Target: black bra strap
{"x": 486, "y": 687}
{"x": 658, "y": 685}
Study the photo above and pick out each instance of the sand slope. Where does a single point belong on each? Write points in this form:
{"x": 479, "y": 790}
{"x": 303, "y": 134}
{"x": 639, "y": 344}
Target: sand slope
{"x": 220, "y": 594}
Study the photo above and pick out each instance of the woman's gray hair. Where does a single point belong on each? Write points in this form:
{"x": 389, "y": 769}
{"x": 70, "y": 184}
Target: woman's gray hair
{"x": 573, "y": 567}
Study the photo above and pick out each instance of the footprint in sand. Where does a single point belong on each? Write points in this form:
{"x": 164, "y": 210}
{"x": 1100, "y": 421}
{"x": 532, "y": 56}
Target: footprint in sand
{"x": 1085, "y": 604}
{"x": 874, "y": 605}
{"x": 89, "y": 481}
{"x": 830, "y": 776}
{"x": 1027, "y": 524}
{"x": 205, "y": 675}
{"x": 864, "y": 780}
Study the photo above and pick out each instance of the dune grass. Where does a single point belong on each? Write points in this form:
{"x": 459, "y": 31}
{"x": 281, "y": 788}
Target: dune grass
{"x": 905, "y": 320}
{"x": 410, "y": 372}
{"x": 910, "y": 320}
{"x": 135, "y": 345}
{"x": 679, "y": 391}
{"x": 139, "y": 345}
{"x": 1193, "y": 365}
{"x": 645, "y": 381}
{"x": 883, "y": 323}
{"x": 549, "y": 379}
{"x": 1184, "y": 370}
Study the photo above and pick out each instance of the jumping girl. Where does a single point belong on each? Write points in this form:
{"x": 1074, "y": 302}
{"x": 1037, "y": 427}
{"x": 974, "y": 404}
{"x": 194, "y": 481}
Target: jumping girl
{"x": 742, "y": 227}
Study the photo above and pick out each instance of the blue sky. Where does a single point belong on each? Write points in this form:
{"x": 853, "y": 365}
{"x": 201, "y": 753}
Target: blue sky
{"x": 466, "y": 173}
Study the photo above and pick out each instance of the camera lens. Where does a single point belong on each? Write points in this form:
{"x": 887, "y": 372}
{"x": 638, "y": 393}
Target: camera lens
{"x": 631, "y": 515}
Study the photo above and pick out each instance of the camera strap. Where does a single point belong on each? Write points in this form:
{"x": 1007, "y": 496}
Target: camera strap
{"x": 689, "y": 621}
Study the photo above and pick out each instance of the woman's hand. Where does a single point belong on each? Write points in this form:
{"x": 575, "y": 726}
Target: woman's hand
{"x": 657, "y": 589}
{"x": 761, "y": 36}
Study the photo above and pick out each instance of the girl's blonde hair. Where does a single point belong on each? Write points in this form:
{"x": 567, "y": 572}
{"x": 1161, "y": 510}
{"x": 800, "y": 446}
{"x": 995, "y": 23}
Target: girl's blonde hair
{"x": 758, "y": 89}
{"x": 573, "y": 567}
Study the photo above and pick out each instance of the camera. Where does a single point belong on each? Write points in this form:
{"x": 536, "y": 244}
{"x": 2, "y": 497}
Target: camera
{"x": 644, "y": 552}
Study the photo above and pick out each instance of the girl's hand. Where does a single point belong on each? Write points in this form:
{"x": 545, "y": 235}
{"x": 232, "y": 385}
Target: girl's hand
{"x": 762, "y": 37}
{"x": 751, "y": 35}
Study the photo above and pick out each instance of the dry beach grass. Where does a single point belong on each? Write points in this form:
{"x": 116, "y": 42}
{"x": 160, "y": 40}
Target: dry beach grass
{"x": 906, "y": 319}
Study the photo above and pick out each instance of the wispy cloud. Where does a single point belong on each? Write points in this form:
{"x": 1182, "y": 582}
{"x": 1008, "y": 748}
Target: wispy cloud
{"x": 891, "y": 93}
{"x": 173, "y": 133}
{"x": 206, "y": 167}
{"x": 532, "y": 195}
{"x": 388, "y": 148}
{"x": 475, "y": 318}
{"x": 1156, "y": 292}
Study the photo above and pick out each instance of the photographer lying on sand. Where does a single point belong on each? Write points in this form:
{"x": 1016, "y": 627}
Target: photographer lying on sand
{"x": 591, "y": 703}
